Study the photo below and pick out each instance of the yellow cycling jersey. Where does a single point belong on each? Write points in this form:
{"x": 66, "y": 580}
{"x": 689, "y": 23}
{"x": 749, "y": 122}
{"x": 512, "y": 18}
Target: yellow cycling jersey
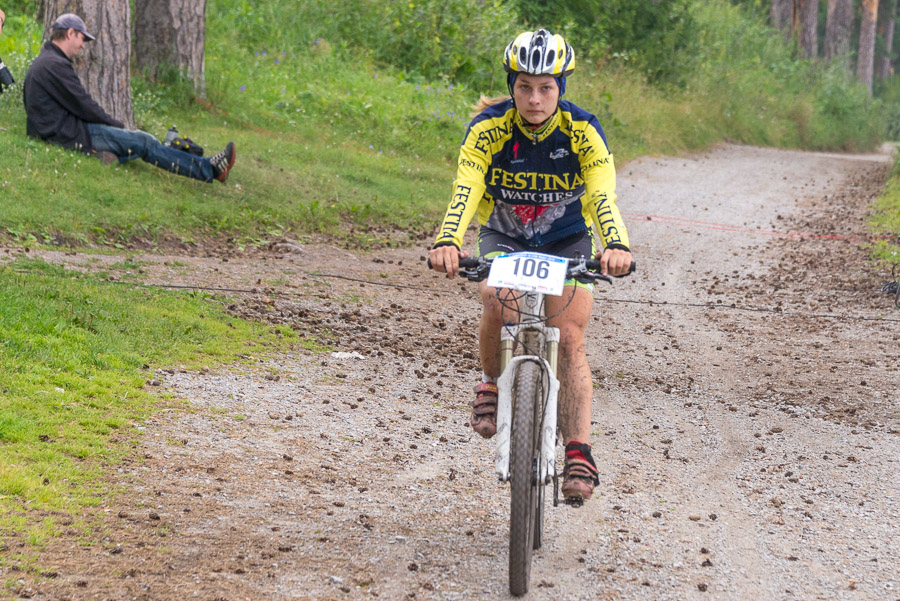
{"x": 535, "y": 187}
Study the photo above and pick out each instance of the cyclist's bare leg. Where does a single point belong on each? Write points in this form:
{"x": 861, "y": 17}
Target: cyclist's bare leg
{"x": 492, "y": 320}
{"x": 484, "y": 406}
{"x": 576, "y": 391}
{"x": 576, "y": 388}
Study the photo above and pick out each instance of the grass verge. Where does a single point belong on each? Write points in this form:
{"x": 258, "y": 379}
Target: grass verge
{"x": 885, "y": 219}
{"x": 75, "y": 357}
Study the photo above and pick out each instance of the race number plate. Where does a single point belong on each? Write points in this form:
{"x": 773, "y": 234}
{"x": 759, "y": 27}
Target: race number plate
{"x": 530, "y": 272}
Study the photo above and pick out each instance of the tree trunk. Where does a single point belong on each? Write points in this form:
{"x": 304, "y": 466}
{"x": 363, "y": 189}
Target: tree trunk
{"x": 781, "y": 16}
{"x": 866, "y": 62}
{"x": 805, "y": 26}
{"x": 171, "y": 34}
{"x": 886, "y": 31}
{"x": 104, "y": 65}
{"x": 838, "y": 28}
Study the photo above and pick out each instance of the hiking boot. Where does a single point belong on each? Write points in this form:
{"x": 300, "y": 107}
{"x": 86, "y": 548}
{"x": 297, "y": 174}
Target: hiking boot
{"x": 223, "y": 162}
{"x": 579, "y": 473}
{"x": 484, "y": 410}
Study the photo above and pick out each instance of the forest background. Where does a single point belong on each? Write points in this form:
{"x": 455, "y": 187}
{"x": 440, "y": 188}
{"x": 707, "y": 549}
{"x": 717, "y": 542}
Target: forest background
{"x": 347, "y": 119}
{"x": 359, "y": 108}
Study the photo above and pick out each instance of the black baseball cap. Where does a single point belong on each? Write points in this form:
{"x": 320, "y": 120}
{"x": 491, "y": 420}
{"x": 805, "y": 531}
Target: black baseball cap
{"x": 73, "y": 21}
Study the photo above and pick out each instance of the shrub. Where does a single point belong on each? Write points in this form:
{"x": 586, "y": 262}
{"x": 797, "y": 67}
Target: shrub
{"x": 456, "y": 41}
{"x": 656, "y": 36}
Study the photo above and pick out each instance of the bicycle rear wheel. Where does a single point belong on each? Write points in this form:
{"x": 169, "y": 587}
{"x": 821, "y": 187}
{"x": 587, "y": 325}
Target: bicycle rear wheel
{"x": 524, "y": 488}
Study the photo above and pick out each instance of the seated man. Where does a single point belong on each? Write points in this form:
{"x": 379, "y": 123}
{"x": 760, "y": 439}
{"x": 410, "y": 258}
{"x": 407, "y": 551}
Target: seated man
{"x": 59, "y": 110}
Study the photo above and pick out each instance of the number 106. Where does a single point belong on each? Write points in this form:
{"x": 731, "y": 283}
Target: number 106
{"x": 531, "y": 267}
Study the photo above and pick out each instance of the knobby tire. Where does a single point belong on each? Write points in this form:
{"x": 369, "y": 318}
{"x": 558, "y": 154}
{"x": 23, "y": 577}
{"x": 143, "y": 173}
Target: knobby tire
{"x": 524, "y": 488}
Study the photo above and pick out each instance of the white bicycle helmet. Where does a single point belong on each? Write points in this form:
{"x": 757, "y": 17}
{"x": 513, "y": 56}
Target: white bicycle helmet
{"x": 539, "y": 53}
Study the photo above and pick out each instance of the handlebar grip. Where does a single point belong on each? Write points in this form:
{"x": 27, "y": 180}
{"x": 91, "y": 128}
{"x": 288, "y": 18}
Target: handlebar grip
{"x": 469, "y": 262}
{"x": 464, "y": 262}
{"x": 595, "y": 265}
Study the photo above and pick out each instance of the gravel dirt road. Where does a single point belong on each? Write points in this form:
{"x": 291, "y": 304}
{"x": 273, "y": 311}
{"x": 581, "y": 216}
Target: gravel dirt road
{"x": 745, "y": 418}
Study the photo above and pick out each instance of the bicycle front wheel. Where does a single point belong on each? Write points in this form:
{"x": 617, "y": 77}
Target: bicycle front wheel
{"x": 525, "y": 489}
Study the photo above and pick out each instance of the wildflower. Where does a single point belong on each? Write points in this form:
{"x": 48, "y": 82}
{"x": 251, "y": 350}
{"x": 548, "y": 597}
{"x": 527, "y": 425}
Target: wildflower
{"x": 243, "y": 88}
{"x": 264, "y": 52}
{"x": 276, "y": 62}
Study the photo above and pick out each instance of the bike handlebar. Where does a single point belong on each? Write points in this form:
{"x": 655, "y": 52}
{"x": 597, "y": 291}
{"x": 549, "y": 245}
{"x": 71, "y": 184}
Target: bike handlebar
{"x": 584, "y": 270}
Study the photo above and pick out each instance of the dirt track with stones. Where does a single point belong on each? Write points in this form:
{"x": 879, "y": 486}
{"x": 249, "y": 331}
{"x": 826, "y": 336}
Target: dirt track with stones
{"x": 745, "y": 418}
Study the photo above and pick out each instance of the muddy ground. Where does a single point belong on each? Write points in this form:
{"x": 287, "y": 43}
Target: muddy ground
{"x": 745, "y": 418}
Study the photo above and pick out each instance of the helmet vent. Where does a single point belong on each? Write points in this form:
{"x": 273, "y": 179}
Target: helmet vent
{"x": 539, "y": 53}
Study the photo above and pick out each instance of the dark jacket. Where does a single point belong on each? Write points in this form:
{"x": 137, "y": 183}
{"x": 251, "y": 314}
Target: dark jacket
{"x": 57, "y": 106}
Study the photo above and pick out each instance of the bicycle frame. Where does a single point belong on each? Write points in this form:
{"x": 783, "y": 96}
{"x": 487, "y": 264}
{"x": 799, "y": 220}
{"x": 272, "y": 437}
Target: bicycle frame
{"x": 534, "y": 465}
{"x": 544, "y": 341}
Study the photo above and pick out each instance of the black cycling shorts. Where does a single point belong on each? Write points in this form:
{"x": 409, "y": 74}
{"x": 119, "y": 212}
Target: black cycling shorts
{"x": 492, "y": 243}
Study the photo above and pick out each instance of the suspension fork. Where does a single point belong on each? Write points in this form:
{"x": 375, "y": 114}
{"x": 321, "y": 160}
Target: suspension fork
{"x": 540, "y": 343}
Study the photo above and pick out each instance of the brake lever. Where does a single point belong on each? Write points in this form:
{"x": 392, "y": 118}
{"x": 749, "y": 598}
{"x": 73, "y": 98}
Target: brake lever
{"x": 589, "y": 278}
{"x": 582, "y": 274}
{"x": 478, "y": 274}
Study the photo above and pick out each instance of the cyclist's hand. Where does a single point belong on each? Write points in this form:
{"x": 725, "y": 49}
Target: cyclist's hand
{"x": 614, "y": 261}
{"x": 446, "y": 259}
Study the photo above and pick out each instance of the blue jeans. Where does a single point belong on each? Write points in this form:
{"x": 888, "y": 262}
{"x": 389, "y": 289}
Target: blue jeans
{"x": 128, "y": 145}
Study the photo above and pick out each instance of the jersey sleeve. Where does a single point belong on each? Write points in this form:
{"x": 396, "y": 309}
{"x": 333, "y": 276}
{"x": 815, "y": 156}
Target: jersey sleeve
{"x": 468, "y": 190}
{"x": 599, "y": 174}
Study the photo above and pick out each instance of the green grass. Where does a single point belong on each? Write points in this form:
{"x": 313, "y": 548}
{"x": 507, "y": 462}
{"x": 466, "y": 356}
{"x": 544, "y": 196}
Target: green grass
{"x": 76, "y": 354}
{"x": 885, "y": 220}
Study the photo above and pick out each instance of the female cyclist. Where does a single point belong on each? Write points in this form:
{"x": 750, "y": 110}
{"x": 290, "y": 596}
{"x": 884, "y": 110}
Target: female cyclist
{"x": 537, "y": 171}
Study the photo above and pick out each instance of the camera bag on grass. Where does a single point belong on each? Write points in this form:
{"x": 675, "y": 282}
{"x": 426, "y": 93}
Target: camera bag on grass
{"x": 187, "y": 145}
